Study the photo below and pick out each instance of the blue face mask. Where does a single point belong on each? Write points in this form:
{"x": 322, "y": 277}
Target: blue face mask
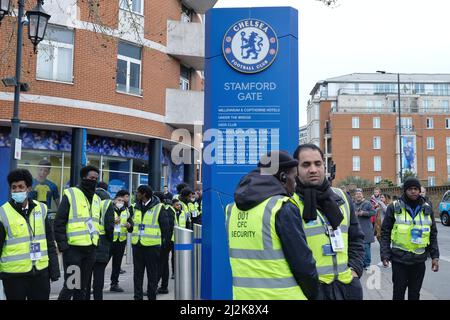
{"x": 19, "y": 197}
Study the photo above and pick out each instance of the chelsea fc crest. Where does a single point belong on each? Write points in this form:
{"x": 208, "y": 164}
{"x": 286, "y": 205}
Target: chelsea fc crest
{"x": 250, "y": 46}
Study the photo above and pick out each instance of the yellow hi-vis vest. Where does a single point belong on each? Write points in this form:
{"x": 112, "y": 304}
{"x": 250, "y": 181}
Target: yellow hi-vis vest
{"x": 193, "y": 209}
{"x": 259, "y": 267}
{"x": 80, "y": 211}
{"x": 20, "y": 235}
{"x": 151, "y": 235}
{"x": 104, "y": 208}
{"x": 122, "y": 234}
{"x": 329, "y": 268}
{"x": 401, "y": 232}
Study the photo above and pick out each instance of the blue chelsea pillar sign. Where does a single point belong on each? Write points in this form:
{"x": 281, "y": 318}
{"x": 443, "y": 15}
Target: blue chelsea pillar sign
{"x": 251, "y": 107}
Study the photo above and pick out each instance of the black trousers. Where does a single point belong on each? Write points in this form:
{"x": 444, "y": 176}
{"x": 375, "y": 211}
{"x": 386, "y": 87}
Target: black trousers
{"x": 117, "y": 252}
{"x": 340, "y": 291}
{"x": 173, "y": 258}
{"x": 411, "y": 277}
{"x": 145, "y": 259}
{"x": 98, "y": 273}
{"x": 78, "y": 263}
{"x": 32, "y": 287}
{"x": 164, "y": 266}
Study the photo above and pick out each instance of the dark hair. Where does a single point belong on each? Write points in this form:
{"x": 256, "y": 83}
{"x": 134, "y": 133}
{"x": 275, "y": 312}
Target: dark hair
{"x": 309, "y": 146}
{"x": 122, "y": 193}
{"x": 186, "y": 192}
{"x": 103, "y": 185}
{"x": 165, "y": 186}
{"x": 181, "y": 186}
{"x": 175, "y": 201}
{"x": 145, "y": 190}
{"x": 20, "y": 175}
{"x": 45, "y": 162}
{"x": 85, "y": 171}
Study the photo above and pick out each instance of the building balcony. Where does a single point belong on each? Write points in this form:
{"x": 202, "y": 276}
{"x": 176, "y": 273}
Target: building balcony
{"x": 186, "y": 42}
{"x": 184, "y": 108}
{"x": 199, "y": 6}
{"x": 406, "y": 129}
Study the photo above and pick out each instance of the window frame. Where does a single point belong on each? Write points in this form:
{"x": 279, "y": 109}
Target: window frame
{"x": 374, "y": 147}
{"x": 353, "y": 163}
{"x": 353, "y": 123}
{"x": 375, "y": 167}
{"x": 356, "y": 146}
{"x": 129, "y": 6}
{"x": 433, "y": 167}
{"x": 430, "y": 146}
{"x": 429, "y": 121}
{"x": 378, "y": 122}
{"x": 130, "y": 60}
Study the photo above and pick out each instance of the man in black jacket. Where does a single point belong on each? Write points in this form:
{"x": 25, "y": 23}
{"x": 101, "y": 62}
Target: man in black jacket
{"x": 35, "y": 283}
{"x": 102, "y": 252}
{"x": 146, "y": 249}
{"x": 78, "y": 259}
{"x": 408, "y": 238}
{"x": 327, "y": 213}
{"x": 254, "y": 189}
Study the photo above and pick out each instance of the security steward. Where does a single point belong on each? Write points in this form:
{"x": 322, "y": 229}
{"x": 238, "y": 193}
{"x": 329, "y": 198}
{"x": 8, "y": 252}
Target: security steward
{"x": 102, "y": 252}
{"x": 28, "y": 257}
{"x": 269, "y": 256}
{"x": 150, "y": 230}
{"x": 185, "y": 198}
{"x": 123, "y": 225}
{"x": 331, "y": 227}
{"x": 179, "y": 221}
{"x": 77, "y": 233}
{"x": 408, "y": 237}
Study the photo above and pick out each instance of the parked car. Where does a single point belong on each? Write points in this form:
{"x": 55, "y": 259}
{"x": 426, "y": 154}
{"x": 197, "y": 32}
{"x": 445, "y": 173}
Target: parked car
{"x": 444, "y": 209}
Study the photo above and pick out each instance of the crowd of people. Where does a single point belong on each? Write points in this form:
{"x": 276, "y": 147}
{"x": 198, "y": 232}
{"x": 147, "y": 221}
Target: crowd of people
{"x": 89, "y": 230}
{"x": 293, "y": 236}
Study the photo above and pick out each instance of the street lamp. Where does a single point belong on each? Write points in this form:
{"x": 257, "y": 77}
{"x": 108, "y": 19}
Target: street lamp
{"x": 4, "y": 8}
{"x": 399, "y": 125}
{"x": 38, "y": 19}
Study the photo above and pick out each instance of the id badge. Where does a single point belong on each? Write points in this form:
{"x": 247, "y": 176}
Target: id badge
{"x": 141, "y": 229}
{"x": 327, "y": 250}
{"x": 35, "y": 251}
{"x": 90, "y": 226}
{"x": 416, "y": 236}
{"x": 337, "y": 242}
{"x": 117, "y": 227}
{"x": 194, "y": 214}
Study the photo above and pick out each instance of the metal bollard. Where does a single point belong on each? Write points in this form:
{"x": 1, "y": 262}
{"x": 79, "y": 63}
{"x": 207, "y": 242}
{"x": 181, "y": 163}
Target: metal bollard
{"x": 197, "y": 261}
{"x": 2, "y": 296}
{"x": 129, "y": 258}
{"x": 183, "y": 248}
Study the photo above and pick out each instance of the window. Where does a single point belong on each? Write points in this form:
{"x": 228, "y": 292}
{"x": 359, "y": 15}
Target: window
{"x": 431, "y": 164}
{"x": 448, "y": 165}
{"x": 447, "y": 142}
{"x": 355, "y": 122}
{"x": 447, "y": 123}
{"x": 356, "y": 163}
{"x": 377, "y": 163}
{"x": 377, "y": 143}
{"x": 377, "y": 179}
{"x": 430, "y": 123}
{"x": 135, "y": 6}
{"x": 55, "y": 55}
{"x": 376, "y": 123}
{"x": 129, "y": 68}
{"x": 419, "y": 88}
{"x": 431, "y": 181}
{"x": 430, "y": 143}
{"x": 426, "y": 106}
{"x": 407, "y": 123}
{"x": 441, "y": 89}
{"x": 185, "y": 76}
{"x": 445, "y": 106}
{"x": 355, "y": 143}
{"x": 385, "y": 88}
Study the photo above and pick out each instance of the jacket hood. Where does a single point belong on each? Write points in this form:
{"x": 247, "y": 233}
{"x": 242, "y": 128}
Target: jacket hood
{"x": 102, "y": 193}
{"x": 254, "y": 188}
{"x": 152, "y": 203}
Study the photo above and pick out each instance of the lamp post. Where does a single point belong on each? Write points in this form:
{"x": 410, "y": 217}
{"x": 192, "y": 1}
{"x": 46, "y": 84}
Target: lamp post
{"x": 38, "y": 20}
{"x": 400, "y": 174}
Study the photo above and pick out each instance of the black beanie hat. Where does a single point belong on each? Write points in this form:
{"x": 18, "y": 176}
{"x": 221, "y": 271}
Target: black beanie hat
{"x": 411, "y": 182}
{"x": 285, "y": 160}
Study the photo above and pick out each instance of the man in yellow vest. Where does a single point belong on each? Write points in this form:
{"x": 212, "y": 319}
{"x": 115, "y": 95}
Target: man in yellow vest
{"x": 150, "y": 232}
{"x": 77, "y": 233}
{"x": 102, "y": 252}
{"x": 123, "y": 225}
{"x": 28, "y": 257}
{"x": 269, "y": 256}
{"x": 187, "y": 207}
{"x": 408, "y": 237}
{"x": 331, "y": 227}
{"x": 180, "y": 220}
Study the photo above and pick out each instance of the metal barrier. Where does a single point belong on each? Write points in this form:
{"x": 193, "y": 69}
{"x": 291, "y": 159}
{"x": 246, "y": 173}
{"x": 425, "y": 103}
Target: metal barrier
{"x": 197, "y": 261}
{"x": 183, "y": 248}
{"x": 129, "y": 254}
{"x": 2, "y": 296}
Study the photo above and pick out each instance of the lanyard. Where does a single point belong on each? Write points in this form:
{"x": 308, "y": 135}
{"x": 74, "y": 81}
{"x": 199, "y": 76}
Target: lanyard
{"x": 416, "y": 212}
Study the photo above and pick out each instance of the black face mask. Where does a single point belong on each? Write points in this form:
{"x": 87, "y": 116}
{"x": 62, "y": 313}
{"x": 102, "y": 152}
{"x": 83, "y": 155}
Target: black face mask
{"x": 89, "y": 185}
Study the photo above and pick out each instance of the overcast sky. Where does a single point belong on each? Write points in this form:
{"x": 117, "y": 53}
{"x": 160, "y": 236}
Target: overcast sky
{"x": 407, "y": 36}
